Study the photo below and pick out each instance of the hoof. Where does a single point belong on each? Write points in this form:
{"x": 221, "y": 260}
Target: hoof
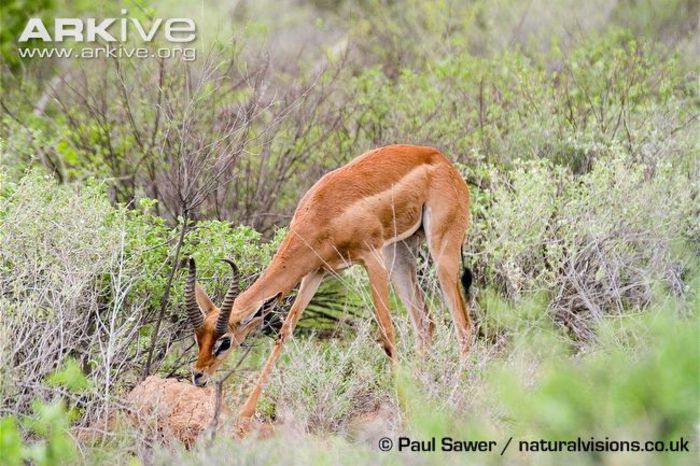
{"x": 242, "y": 427}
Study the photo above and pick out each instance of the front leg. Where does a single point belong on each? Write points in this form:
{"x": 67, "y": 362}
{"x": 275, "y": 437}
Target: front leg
{"x": 379, "y": 283}
{"x": 307, "y": 289}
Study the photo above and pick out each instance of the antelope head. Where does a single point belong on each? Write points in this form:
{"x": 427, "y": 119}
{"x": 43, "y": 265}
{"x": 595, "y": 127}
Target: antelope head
{"x": 214, "y": 334}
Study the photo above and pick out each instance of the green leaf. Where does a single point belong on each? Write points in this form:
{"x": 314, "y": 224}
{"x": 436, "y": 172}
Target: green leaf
{"x": 10, "y": 442}
{"x": 70, "y": 376}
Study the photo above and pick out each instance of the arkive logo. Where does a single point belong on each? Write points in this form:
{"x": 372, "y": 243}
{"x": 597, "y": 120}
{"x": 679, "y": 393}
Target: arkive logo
{"x": 174, "y": 30}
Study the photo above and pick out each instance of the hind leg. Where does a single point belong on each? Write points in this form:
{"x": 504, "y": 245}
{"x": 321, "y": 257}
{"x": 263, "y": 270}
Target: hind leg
{"x": 400, "y": 261}
{"x": 445, "y": 233}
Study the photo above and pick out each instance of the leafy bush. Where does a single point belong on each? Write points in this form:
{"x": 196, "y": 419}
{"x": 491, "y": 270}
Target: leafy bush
{"x": 596, "y": 243}
{"x": 48, "y": 423}
{"x": 81, "y": 278}
{"x": 62, "y": 276}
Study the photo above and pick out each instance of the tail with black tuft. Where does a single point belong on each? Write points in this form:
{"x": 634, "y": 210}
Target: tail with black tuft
{"x": 467, "y": 281}
{"x": 467, "y": 278}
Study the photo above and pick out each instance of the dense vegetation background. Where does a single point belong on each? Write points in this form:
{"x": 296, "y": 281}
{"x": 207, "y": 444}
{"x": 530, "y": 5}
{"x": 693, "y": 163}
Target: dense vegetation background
{"x": 574, "y": 123}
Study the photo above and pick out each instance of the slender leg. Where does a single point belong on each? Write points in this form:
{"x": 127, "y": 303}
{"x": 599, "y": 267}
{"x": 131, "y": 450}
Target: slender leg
{"x": 400, "y": 260}
{"x": 379, "y": 282}
{"x": 448, "y": 277}
{"x": 309, "y": 285}
{"x": 445, "y": 249}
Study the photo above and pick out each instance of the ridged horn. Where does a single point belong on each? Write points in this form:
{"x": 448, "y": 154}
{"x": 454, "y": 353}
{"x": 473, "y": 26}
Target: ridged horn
{"x": 193, "y": 311}
{"x": 227, "y": 307}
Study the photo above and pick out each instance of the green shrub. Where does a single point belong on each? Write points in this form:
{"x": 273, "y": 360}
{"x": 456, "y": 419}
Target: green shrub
{"x": 49, "y": 423}
{"x": 83, "y": 279}
{"x": 596, "y": 243}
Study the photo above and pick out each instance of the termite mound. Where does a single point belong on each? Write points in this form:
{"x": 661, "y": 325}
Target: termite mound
{"x": 167, "y": 411}
{"x": 173, "y": 410}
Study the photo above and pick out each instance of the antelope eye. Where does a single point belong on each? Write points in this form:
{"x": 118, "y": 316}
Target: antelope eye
{"x": 222, "y": 345}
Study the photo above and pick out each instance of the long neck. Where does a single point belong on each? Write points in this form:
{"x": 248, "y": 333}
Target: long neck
{"x": 293, "y": 260}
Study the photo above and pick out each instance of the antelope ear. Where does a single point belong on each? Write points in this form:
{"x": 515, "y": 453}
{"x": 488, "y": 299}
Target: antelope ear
{"x": 203, "y": 300}
{"x": 243, "y": 330}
